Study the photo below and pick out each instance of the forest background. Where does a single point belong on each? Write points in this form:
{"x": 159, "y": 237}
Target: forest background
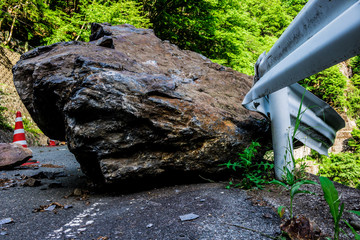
{"x": 230, "y": 32}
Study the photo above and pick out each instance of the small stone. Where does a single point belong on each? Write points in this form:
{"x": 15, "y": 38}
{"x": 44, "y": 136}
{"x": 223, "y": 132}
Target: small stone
{"x": 267, "y": 215}
{"x": 32, "y": 182}
{"x": 50, "y": 208}
{"x": 105, "y": 41}
{"x": 89, "y": 222}
{"x": 77, "y": 192}
{"x": 188, "y": 217}
{"x": 149, "y": 225}
{"x": 6, "y": 221}
{"x": 68, "y": 206}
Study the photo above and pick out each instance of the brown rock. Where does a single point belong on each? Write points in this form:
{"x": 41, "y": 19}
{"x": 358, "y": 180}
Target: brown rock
{"x": 32, "y": 182}
{"x": 12, "y": 155}
{"x": 131, "y": 105}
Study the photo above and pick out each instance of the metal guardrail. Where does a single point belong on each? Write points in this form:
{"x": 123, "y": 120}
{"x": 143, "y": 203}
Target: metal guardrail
{"x": 323, "y": 34}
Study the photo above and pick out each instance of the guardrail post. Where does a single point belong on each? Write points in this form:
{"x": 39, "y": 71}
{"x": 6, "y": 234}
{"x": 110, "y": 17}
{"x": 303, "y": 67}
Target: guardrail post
{"x": 323, "y": 34}
{"x": 281, "y": 132}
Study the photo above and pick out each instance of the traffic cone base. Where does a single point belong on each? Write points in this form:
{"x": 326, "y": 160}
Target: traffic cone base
{"x": 52, "y": 143}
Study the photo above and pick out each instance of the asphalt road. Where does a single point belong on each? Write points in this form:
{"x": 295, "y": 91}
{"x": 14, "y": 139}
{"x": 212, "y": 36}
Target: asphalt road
{"x": 195, "y": 211}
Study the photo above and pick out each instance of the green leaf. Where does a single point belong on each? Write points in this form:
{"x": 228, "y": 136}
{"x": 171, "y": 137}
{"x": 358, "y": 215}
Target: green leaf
{"x": 331, "y": 196}
{"x": 355, "y": 212}
{"x": 281, "y": 211}
{"x": 274, "y": 181}
{"x": 356, "y": 235}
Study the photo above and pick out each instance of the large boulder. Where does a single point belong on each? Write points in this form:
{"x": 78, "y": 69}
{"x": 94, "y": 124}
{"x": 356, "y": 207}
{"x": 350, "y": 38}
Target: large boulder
{"x": 131, "y": 105}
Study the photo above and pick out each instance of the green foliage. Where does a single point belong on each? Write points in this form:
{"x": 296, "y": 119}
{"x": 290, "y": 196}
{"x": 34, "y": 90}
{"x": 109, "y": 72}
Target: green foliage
{"x": 244, "y": 32}
{"x": 356, "y": 80}
{"x": 328, "y": 85}
{"x": 354, "y": 142}
{"x": 30, "y": 127}
{"x": 342, "y": 167}
{"x": 46, "y": 22}
{"x": 332, "y": 198}
{"x": 233, "y": 33}
{"x": 356, "y": 235}
{"x": 293, "y": 185}
{"x": 355, "y": 65}
{"x": 76, "y": 26}
{"x": 353, "y": 101}
{"x": 353, "y": 93}
{"x": 3, "y": 123}
{"x": 252, "y": 173}
{"x": 293, "y": 7}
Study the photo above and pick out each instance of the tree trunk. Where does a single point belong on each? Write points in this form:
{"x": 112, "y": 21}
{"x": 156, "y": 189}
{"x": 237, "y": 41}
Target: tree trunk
{"x": 11, "y": 31}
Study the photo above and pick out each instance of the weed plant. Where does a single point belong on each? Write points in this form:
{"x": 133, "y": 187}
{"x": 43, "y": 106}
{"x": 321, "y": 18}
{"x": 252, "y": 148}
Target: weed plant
{"x": 293, "y": 185}
{"x": 356, "y": 235}
{"x": 253, "y": 174}
{"x": 332, "y": 198}
{"x": 293, "y": 177}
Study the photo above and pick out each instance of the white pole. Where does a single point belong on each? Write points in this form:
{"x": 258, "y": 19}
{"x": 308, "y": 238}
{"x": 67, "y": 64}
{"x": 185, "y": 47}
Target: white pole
{"x": 281, "y": 134}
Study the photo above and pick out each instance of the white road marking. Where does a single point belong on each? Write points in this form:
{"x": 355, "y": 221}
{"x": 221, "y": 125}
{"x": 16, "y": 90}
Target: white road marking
{"x": 70, "y": 229}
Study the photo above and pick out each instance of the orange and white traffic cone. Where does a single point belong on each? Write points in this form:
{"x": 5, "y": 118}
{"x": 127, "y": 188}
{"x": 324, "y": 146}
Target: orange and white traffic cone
{"x": 19, "y": 136}
{"x": 19, "y": 132}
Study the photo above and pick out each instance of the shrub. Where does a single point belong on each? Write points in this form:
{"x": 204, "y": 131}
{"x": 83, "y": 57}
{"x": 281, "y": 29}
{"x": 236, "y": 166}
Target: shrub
{"x": 3, "y": 123}
{"x": 329, "y": 85}
{"x": 251, "y": 172}
{"x": 355, "y": 64}
{"x": 342, "y": 167}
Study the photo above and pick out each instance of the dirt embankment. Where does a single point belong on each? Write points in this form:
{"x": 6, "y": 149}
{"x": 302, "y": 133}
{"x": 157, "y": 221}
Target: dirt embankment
{"x": 9, "y": 99}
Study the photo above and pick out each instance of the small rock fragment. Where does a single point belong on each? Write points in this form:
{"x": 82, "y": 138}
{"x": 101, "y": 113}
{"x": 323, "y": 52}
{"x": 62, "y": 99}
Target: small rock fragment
{"x": 188, "y": 217}
{"x": 105, "y": 41}
{"x": 50, "y": 208}
{"x": 149, "y": 225}
{"x": 32, "y": 182}
{"x": 77, "y": 192}
{"x": 6, "y": 221}
{"x": 355, "y": 221}
{"x": 267, "y": 215}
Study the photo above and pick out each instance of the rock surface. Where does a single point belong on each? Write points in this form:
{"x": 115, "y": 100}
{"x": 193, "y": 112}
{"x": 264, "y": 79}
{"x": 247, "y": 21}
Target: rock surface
{"x": 12, "y": 155}
{"x": 131, "y": 105}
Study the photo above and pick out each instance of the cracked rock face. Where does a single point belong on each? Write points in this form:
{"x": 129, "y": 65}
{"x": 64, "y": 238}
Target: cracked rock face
{"x": 130, "y": 105}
